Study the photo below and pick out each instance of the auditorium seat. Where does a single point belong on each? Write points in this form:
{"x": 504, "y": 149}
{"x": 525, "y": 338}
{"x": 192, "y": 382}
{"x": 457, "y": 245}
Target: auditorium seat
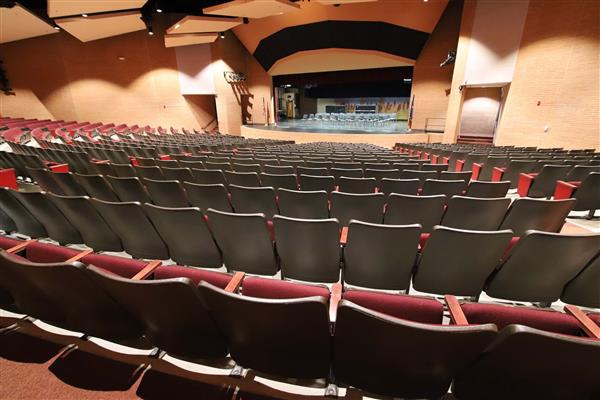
{"x": 487, "y": 190}
{"x": 303, "y": 204}
{"x": 539, "y": 214}
{"x": 475, "y": 213}
{"x": 587, "y": 193}
{"x": 49, "y": 253}
{"x": 541, "y": 264}
{"x": 583, "y": 290}
{"x": 380, "y": 174}
{"x": 129, "y": 189}
{"x": 278, "y": 181}
{"x": 246, "y": 168}
{"x": 300, "y": 170}
{"x": 347, "y": 165}
{"x": 167, "y": 163}
{"x": 422, "y": 176}
{"x": 45, "y": 180}
{"x": 524, "y": 363}
{"x": 278, "y": 169}
{"x": 105, "y": 168}
{"x": 249, "y": 200}
{"x": 356, "y": 185}
{"x": 246, "y": 179}
{"x": 56, "y": 225}
{"x": 580, "y": 172}
{"x": 380, "y": 256}
{"x": 67, "y": 183}
{"x": 399, "y": 186}
{"x": 145, "y": 162}
{"x": 458, "y": 262}
{"x": 404, "y": 209}
{"x": 124, "y": 170}
{"x": 166, "y": 193}
{"x": 62, "y": 295}
{"x": 186, "y": 234}
{"x": 512, "y": 171}
{"x": 433, "y": 187}
{"x": 541, "y": 184}
{"x": 362, "y": 207}
{"x": 309, "y": 249}
{"x": 191, "y": 164}
{"x": 24, "y": 221}
{"x": 132, "y": 226}
{"x": 406, "y": 350}
{"x": 337, "y": 173}
{"x": 268, "y": 288}
{"x": 484, "y": 172}
{"x": 288, "y": 338}
{"x": 154, "y": 173}
{"x": 222, "y": 166}
{"x": 209, "y": 176}
{"x": 451, "y": 176}
{"x": 188, "y": 333}
{"x": 208, "y": 196}
{"x": 178, "y": 174}
{"x": 96, "y": 186}
{"x": 94, "y": 230}
{"x": 315, "y": 183}
{"x": 245, "y": 242}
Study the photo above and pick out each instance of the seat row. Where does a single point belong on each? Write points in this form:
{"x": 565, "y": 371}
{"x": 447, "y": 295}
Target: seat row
{"x": 374, "y": 343}
{"x": 375, "y": 255}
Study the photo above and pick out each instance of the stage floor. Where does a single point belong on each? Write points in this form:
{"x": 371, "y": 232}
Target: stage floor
{"x": 298, "y": 125}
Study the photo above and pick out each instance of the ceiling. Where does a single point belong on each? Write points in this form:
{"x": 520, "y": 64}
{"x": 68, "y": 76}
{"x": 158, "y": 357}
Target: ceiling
{"x": 18, "y": 23}
{"x": 283, "y": 35}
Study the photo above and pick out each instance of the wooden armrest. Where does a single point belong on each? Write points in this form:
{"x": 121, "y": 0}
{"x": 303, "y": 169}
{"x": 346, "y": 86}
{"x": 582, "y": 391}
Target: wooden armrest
{"x": 101, "y": 161}
{"x": 588, "y": 326}
{"x": 20, "y": 246}
{"x": 235, "y": 282}
{"x": 344, "y": 235}
{"x": 147, "y": 270}
{"x": 334, "y": 299}
{"x": 79, "y": 256}
{"x": 456, "y": 313}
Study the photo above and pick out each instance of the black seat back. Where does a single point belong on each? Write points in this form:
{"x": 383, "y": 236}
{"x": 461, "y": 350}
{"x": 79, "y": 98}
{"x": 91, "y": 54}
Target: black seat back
{"x": 380, "y": 256}
{"x": 361, "y": 207}
{"x": 249, "y": 200}
{"x": 205, "y": 196}
{"x": 542, "y": 215}
{"x": 166, "y": 193}
{"x": 129, "y": 189}
{"x": 25, "y": 222}
{"x": 303, "y": 204}
{"x": 423, "y": 210}
{"x": 475, "y": 213}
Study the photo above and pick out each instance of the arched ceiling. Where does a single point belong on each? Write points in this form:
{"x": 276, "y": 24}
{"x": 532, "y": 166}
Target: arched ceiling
{"x": 397, "y": 28}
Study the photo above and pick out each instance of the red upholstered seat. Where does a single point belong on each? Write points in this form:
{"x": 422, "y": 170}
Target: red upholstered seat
{"x": 552, "y": 321}
{"x": 48, "y": 253}
{"x": 17, "y": 257}
{"x": 218, "y": 279}
{"x": 412, "y": 308}
{"x": 277, "y": 289}
{"x": 125, "y": 267}
{"x": 7, "y": 243}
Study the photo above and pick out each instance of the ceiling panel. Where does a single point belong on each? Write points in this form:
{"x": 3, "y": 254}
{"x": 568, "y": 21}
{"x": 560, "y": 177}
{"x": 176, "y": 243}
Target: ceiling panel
{"x": 18, "y": 23}
{"x": 344, "y": 1}
{"x": 62, "y": 8}
{"x": 253, "y": 8}
{"x": 189, "y": 39}
{"x": 336, "y": 60}
{"x": 199, "y": 24}
{"x": 102, "y": 26}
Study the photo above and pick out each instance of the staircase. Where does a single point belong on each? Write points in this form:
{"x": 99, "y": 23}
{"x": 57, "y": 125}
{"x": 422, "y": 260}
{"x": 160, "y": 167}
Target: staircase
{"x": 475, "y": 139}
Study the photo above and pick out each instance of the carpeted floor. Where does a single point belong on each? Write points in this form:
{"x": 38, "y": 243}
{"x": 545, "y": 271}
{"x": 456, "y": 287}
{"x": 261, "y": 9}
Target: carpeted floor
{"x": 34, "y": 369}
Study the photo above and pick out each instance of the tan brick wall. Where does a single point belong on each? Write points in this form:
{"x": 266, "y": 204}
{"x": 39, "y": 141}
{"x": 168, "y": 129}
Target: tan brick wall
{"x": 430, "y": 82}
{"x": 558, "y": 65}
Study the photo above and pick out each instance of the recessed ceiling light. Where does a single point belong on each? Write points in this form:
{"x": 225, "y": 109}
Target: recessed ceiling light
{"x": 177, "y": 26}
{"x": 425, "y": 1}
{"x": 84, "y": 15}
{"x": 222, "y": 35}
{"x": 159, "y": 10}
{"x": 121, "y": 58}
{"x": 56, "y": 27}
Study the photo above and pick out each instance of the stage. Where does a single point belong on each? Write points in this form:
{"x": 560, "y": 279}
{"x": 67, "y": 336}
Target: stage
{"x": 305, "y": 135}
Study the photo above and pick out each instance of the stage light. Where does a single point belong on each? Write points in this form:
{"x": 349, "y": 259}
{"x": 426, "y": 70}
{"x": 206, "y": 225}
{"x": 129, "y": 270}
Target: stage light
{"x": 449, "y": 59}
{"x": 159, "y": 10}
{"x": 150, "y": 31}
{"x": 222, "y": 35}
{"x": 56, "y": 27}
